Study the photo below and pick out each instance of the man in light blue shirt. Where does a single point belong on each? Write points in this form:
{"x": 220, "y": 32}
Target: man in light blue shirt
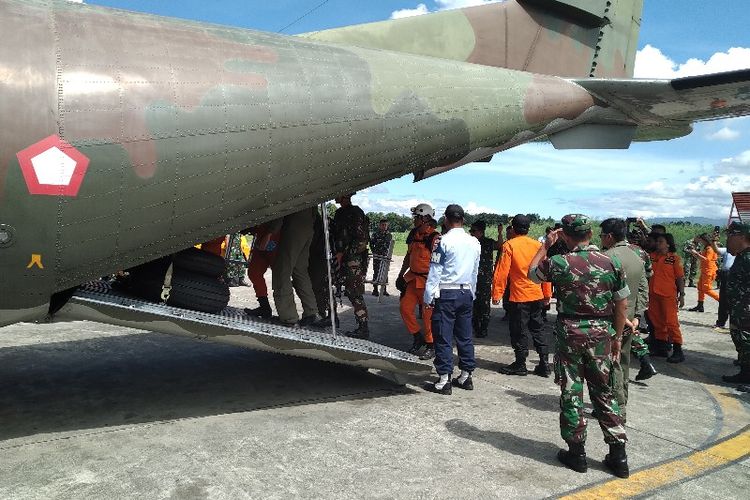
{"x": 450, "y": 289}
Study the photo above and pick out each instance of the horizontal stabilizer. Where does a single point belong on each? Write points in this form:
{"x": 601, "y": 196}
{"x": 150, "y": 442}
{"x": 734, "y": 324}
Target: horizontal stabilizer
{"x": 98, "y": 302}
{"x": 676, "y": 102}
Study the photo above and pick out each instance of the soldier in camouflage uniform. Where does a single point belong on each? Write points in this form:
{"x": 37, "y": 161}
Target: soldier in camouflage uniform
{"x": 350, "y": 239}
{"x": 592, "y": 292}
{"x": 635, "y": 268}
{"x": 738, "y": 289}
{"x": 235, "y": 272}
{"x": 483, "y": 297}
{"x": 690, "y": 262}
{"x": 380, "y": 243}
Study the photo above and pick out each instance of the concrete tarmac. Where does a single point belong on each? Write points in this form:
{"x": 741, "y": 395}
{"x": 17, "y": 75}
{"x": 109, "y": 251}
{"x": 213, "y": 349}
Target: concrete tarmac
{"x": 97, "y": 411}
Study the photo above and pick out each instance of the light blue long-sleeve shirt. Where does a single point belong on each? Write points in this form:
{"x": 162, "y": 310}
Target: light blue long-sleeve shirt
{"x": 455, "y": 261}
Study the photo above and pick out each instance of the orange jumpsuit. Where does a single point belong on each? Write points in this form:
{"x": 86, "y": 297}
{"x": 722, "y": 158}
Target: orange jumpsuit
{"x": 513, "y": 269}
{"x": 662, "y": 301}
{"x": 416, "y": 278}
{"x": 261, "y": 259}
{"x": 708, "y": 275}
{"x": 215, "y": 246}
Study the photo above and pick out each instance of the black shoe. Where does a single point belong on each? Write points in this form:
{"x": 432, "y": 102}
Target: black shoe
{"x": 262, "y": 311}
{"x": 659, "y": 349}
{"x": 467, "y": 386}
{"x": 542, "y": 370}
{"x": 698, "y": 308}
{"x": 417, "y": 344}
{"x": 691, "y": 284}
{"x": 375, "y": 293}
{"x": 428, "y": 353}
{"x": 617, "y": 461}
{"x": 386, "y": 294}
{"x": 515, "y": 368}
{"x": 677, "y": 355}
{"x": 361, "y": 332}
{"x": 445, "y": 391}
{"x": 309, "y": 320}
{"x": 574, "y": 458}
{"x": 743, "y": 377}
{"x": 647, "y": 370}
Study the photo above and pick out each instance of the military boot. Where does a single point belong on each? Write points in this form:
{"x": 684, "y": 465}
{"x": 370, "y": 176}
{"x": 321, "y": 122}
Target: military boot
{"x": 417, "y": 344}
{"x": 660, "y": 349}
{"x": 543, "y": 369}
{"x": 743, "y": 377}
{"x": 698, "y": 308}
{"x": 262, "y": 311}
{"x": 617, "y": 461}
{"x": 647, "y": 370}
{"x": 518, "y": 367}
{"x": 361, "y": 332}
{"x": 574, "y": 457}
{"x": 677, "y": 355}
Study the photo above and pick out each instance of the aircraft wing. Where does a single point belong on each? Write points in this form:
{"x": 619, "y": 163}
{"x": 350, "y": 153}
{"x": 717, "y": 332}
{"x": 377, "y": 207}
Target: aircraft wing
{"x": 675, "y": 102}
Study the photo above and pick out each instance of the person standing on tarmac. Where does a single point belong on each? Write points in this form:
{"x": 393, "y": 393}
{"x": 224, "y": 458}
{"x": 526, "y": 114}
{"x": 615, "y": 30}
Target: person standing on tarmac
{"x": 481, "y": 314}
{"x": 450, "y": 289}
{"x": 526, "y": 301}
{"x": 690, "y": 262}
{"x": 351, "y": 237}
{"x": 738, "y": 290}
{"x": 665, "y": 295}
{"x": 414, "y": 272}
{"x": 709, "y": 268}
{"x": 593, "y": 293}
{"x": 262, "y": 256}
{"x": 727, "y": 261}
{"x": 380, "y": 242}
{"x": 614, "y": 244}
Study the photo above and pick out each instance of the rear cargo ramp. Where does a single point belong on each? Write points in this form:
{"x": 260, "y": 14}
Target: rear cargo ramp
{"x": 100, "y": 303}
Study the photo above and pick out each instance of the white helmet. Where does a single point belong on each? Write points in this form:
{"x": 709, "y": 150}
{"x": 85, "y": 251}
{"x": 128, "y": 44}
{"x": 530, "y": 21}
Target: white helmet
{"x": 423, "y": 209}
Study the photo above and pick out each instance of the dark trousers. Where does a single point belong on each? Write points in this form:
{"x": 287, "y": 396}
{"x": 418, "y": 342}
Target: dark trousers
{"x": 451, "y": 319}
{"x": 526, "y": 318}
{"x": 723, "y": 299}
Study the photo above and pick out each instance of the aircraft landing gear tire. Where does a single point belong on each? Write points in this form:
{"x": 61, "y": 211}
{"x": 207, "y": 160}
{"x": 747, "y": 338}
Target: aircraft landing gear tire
{"x": 199, "y": 261}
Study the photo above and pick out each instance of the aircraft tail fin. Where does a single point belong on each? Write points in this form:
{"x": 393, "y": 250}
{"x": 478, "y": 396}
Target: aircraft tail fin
{"x": 568, "y": 38}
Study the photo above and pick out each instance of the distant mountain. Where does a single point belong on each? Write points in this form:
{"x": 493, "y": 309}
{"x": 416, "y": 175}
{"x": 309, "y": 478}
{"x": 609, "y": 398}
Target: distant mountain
{"x": 705, "y": 221}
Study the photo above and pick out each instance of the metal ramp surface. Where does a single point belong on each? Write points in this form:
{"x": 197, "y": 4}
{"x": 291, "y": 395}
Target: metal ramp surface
{"x": 98, "y": 302}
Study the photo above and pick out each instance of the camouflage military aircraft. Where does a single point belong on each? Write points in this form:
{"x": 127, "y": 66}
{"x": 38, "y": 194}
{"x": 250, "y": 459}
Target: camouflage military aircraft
{"x": 126, "y": 137}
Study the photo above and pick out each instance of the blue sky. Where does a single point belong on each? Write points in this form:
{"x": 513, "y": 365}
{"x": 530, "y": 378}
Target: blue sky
{"x": 692, "y": 176}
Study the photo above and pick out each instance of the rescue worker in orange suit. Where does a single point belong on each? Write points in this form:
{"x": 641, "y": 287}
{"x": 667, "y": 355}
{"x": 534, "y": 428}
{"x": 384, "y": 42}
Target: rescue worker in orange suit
{"x": 526, "y": 301}
{"x": 708, "y": 258}
{"x": 666, "y": 295}
{"x": 414, "y": 272}
{"x": 262, "y": 256}
{"x": 215, "y": 246}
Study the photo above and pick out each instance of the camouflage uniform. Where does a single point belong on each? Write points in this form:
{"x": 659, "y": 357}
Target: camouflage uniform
{"x": 690, "y": 262}
{"x": 379, "y": 245}
{"x": 350, "y": 237}
{"x": 482, "y": 300}
{"x": 235, "y": 261}
{"x": 738, "y": 289}
{"x": 638, "y": 346}
{"x": 587, "y": 282}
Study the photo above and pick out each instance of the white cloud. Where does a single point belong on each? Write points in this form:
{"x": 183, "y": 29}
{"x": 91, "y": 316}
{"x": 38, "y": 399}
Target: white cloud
{"x": 441, "y": 5}
{"x": 650, "y": 62}
{"x": 417, "y": 11}
{"x": 705, "y": 195}
{"x": 474, "y": 208}
{"x": 724, "y": 134}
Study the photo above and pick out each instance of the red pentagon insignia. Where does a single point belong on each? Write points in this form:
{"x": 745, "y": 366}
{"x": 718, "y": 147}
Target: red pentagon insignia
{"x": 53, "y": 167}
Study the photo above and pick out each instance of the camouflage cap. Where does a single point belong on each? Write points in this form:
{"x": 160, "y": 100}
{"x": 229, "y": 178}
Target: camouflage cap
{"x": 736, "y": 228}
{"x": 576, "y": 224}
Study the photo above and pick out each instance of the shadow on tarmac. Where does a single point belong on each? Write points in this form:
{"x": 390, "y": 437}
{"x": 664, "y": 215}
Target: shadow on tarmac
{"x": 135, "y": 379}
{"x": 541, "y": 402}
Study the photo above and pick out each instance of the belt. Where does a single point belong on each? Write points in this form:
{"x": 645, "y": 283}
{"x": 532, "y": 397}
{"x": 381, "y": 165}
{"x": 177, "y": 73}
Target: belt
{"x": 453, "y": 286}
{"x": 577, "y": 317}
